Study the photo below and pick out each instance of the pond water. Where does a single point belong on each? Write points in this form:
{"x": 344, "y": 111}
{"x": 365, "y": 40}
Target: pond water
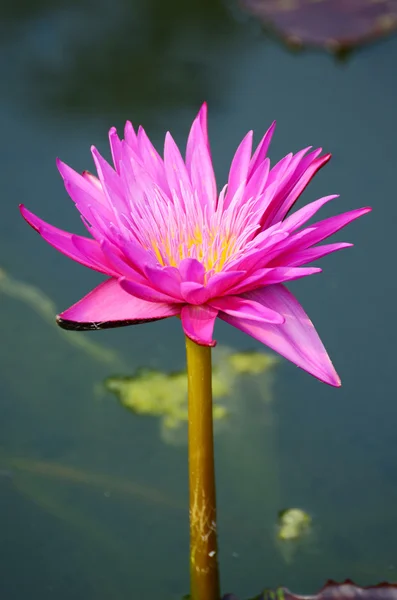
{"x": 93, "y": 498}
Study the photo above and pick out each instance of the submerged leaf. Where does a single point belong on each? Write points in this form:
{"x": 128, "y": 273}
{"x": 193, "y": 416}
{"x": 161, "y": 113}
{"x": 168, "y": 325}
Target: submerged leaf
{"x": 293, "y": 523}
{"x": 252, "y": 362}
{"x": 164, "y": 395}
{"x": 294, "y": 533}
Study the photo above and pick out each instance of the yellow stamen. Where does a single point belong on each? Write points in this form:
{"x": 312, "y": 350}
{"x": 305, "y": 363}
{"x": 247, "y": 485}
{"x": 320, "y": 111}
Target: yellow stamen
{"x": 213, "y": 258}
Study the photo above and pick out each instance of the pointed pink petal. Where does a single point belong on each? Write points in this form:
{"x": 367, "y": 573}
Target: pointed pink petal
{"x": 90, "y": 199}
{"x": 259, "y": 257}
{"x": 286, "y": 175}
{"x": 298, "y": 166}
{"x": 81, "y": 188}
{"x": 323, "y": 229}
{"x": 87, "y": 248}
{"x": 176, "y": 172}
{"x": 165, "y": 279}
{"x": 281, "y": 212}
{"x": 198, "y": 323}
{"x": 316, "y": 233}
{"x": 88, "y": 254}
{"x": 239, "y": 168}
{"x": 308, "y": 255}
{"x": 278, "y": 172}
{"x": 294, "y": 170}
{"x": 281, "y": 274}
{"x": 247, "y": 309}
{"x": 250, "y": 282}
{"x": 202, "y": 115}
{"x": 201, "y": 122}
{"x": 257, "y": 182}
{"x": 115, "y": 148}
{"x": 120, "y": 263}
{"x": 151, "y": 159}
{"x": 301, "y": 216}
{"x": 145, "y": 292}
{"x": 203, "y": 177}
{"x": 271, "y": 276}
{"x": 296, "y": 339}
{"x": 275, "y": 254}
{"x": 199, "y": 163}
{"x": 92, "y": 179}
{"x": 137, "y": 256}
{"x": 220, "y": 283}
{"x": 302, "y": 166}
{"x": 192, "y": 270}
{"x": 112, "y": 184}
{"x": 194, "y": 293}
{"x": 261, "y": 151}
{"x": 86, "y": 194}
{"x": 130, "y": 136}
{"x": 109, "y": 305}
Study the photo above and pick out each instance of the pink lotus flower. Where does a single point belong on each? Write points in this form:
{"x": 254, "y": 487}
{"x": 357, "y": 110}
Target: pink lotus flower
{"x": 172, "y": 246}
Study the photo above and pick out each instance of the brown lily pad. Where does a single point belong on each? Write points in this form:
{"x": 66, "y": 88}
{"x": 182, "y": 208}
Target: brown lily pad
{"x": 338, "y": 25}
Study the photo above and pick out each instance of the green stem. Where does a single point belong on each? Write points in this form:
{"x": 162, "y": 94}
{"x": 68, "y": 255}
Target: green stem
{"x": 204, "y": 575}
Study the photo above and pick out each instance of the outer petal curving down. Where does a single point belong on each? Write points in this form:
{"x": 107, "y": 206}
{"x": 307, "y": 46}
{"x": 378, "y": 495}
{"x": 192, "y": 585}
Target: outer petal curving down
{"x": 296, "y": 338}
{"x": 108, "y": 305}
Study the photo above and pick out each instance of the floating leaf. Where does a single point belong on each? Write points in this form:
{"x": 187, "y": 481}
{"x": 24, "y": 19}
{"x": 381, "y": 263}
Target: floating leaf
{"x": 338, "y": 25}
{"x": 332, "y": 591}
{"x": 337, "y": 591}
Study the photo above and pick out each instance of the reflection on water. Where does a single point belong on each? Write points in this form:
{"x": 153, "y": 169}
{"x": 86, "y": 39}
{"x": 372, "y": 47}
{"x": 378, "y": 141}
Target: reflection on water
{"x": 70, "y": 474}
{"x": 5, "y": 473}
{"x": 88, "y": 531}
{"x": 46, "y": 309}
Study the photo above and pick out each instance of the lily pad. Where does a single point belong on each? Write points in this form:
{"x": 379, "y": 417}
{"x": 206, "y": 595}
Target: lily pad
{"x": 338, "y": 25}
{"x": 338, "y": 591}
{"x": 332, "y": 591}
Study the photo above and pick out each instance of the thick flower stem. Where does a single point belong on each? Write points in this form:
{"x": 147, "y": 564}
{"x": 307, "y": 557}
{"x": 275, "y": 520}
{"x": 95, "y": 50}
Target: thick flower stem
{"x": 204, "y": 575}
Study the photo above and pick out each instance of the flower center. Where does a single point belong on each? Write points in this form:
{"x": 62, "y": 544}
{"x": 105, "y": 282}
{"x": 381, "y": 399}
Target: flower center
{"x": 209, "y": 248}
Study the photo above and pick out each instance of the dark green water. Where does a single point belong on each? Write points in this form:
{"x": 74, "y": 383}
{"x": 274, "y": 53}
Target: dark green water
{"x": 92, "y": 499}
